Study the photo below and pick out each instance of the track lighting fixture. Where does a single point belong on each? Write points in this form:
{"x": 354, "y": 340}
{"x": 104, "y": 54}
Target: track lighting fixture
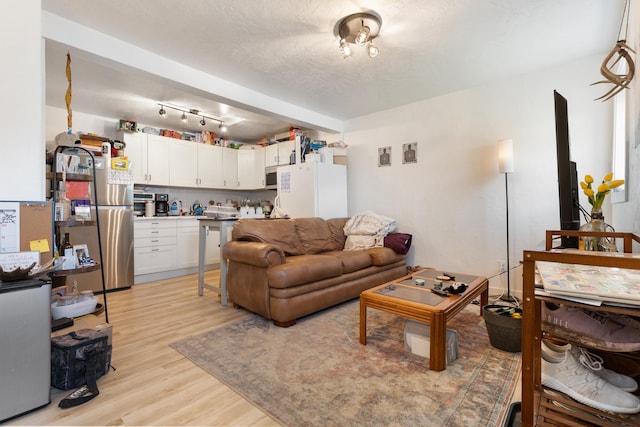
{"x": 191, "y": 111}
{"x": 359, "y": 29}
{"x": 372, "y": 50}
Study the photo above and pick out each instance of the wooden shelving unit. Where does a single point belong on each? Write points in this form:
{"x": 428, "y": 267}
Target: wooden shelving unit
{"x": 542, "y": 406}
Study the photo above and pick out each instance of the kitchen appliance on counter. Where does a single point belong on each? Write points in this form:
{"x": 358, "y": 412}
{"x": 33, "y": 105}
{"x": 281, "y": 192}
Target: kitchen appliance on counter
{"x": 140, "y": 199}
{"x": 162, "y": 204}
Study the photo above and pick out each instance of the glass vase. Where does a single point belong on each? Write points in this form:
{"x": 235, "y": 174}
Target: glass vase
{"x": 597, "y": 223}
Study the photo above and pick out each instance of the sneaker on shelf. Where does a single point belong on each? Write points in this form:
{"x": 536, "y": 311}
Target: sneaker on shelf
{"x": 595, "y": 364}
{"x": 600, "y": 330}
{"x": 556, "y": 353}
{"x": 572, "y": 378}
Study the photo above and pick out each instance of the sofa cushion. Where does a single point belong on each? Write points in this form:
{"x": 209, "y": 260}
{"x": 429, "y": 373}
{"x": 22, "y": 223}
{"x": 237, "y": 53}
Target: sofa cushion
{"x": 336, "y": 227}
{"x": 279, "y": 232}
{"x": 384, "y": 256}
{"x": 314, "y": 235}
{"x": 298, "y": 270}
{"x": 352, "y": 260}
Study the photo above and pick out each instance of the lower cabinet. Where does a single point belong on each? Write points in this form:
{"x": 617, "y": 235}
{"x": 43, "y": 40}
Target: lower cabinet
{"x": 170, "y": 244}
{"x": 187, "y": 243}
{"x": 154, "y": 246}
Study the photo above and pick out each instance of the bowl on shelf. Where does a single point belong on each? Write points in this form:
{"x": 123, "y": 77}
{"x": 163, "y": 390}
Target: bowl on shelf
{"x": 31, "y": 272}
{"x": 75, "y": 309}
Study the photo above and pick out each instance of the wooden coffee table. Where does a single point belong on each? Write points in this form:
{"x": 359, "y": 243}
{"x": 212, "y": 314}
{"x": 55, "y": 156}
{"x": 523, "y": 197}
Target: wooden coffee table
{"x": 403, "y": 297}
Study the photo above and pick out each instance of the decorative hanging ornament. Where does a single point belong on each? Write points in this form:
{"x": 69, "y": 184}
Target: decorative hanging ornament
{"x": 68, "y": 137}
{"x": 621, "y": 79}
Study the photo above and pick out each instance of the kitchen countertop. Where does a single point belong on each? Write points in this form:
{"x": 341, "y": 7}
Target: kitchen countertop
{"x": 155, "y": 218}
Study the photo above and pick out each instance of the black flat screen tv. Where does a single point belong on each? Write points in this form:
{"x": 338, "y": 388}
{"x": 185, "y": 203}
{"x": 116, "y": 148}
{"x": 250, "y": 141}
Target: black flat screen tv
{"x": 567, "y": 174}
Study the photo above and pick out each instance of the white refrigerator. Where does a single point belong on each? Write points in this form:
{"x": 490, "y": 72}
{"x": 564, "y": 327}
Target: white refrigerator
{"x": 312, "y": 189}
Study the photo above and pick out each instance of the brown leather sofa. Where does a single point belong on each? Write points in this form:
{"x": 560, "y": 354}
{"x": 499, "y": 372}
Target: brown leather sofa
{"x": 284, "y": 269}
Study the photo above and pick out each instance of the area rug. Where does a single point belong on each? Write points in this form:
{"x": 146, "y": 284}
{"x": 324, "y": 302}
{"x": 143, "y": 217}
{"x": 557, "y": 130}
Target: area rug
{"x": 316, "y": 373}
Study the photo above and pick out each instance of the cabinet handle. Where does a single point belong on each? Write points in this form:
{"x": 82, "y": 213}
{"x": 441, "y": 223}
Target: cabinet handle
{"x": 155, "y": 250}
{"x": 155, "y": 241}
{"x": 154, "y": 232}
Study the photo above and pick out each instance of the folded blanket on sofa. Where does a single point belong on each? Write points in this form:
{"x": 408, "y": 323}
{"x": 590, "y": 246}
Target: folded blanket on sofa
{"x": 367, "y": 230}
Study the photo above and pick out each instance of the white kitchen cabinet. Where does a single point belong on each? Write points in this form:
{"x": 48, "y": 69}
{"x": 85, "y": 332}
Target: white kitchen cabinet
{"x": 187, "y": 239}
{"x": 183, "y": 161}
{"x": 149, "y": 157}
{"x": 285, "y": 148}
{"x": 251, "y": 168}
{"x": 210, "y": 166}
{"x": 230, "y": 167}
{"x": 154, "y": 246}
{"x": 278, "y": 154}
{"x": 271, "y": 155}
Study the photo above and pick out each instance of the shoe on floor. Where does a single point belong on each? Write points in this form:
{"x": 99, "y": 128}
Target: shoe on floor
{"x": 78, "y": 397}
{"x": 604, "y": 331}
{"x": 556, "y": 353}
{"x": 572, "y": 378}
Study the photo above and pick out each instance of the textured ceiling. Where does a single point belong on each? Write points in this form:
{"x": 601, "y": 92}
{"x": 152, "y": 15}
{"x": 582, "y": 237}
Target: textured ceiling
{"x": 288, "y": 50}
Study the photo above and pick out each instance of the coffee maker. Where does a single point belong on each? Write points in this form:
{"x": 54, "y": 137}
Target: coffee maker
{"x": 162, "y": 204}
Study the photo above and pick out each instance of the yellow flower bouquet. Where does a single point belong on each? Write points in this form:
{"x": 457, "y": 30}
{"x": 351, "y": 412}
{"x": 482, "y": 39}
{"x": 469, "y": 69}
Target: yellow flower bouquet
{"x": 596, "y": 198}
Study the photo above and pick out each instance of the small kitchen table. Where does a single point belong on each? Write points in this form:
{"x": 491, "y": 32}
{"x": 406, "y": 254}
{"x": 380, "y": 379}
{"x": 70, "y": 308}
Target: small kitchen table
{"x": 223, "y": 225}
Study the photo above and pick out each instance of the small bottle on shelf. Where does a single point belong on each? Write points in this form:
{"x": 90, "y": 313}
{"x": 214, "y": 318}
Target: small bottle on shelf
{"x": 64, "y": 202}
{"x": 66, "y": 248}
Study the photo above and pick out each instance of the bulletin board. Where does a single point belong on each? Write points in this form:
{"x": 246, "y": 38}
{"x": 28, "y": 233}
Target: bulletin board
{"x": 27, "y": 226}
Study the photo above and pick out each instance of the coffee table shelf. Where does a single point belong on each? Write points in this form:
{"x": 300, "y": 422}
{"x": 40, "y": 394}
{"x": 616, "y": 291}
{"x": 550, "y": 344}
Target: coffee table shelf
{"x": 404, "y": 298}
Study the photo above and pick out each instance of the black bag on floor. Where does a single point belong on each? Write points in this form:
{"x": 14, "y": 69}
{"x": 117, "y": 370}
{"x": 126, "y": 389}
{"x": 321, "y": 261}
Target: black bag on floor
{"x": 70, "y": 354}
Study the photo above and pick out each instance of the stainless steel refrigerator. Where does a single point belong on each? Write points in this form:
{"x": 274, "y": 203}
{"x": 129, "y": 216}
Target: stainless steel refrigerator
{"x": 115, "y": 215}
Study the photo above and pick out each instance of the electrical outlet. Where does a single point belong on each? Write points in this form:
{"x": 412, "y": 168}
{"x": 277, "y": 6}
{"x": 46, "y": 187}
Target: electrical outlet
{"x": 502, "y": 265}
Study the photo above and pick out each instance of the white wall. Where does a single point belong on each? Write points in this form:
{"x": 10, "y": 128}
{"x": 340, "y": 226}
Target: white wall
{"x": 22, "y": 161}
{"x": 453, "y": 199}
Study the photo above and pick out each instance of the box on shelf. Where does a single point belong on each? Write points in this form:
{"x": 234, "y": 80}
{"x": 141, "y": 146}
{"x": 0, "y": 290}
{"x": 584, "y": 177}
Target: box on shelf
{"x": 416, "y": 338}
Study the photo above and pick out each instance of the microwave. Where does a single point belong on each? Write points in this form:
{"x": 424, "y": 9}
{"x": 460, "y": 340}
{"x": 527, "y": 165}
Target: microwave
{"x": 140, "y": 199}
{"x": 271, "y": 178}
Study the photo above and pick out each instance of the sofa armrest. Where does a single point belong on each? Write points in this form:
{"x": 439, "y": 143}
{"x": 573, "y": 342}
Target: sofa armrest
{"x": 254, "y": 253}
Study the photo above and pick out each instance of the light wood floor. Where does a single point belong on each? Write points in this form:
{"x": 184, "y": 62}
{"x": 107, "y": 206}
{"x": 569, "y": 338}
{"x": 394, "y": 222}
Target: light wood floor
{"x": 153, "y": 384}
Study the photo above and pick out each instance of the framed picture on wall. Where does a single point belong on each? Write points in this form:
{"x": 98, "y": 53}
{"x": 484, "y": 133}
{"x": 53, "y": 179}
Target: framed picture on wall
{"x": 410, "y": 153}
{"x": 384, "y": 156}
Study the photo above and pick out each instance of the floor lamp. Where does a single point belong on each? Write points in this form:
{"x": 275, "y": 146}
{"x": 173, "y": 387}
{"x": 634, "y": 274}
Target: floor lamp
{"x": 505, "y": 166}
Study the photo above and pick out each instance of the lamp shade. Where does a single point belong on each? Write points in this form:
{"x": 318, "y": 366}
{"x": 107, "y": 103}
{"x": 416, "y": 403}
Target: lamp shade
{"x": 505, "y": 156}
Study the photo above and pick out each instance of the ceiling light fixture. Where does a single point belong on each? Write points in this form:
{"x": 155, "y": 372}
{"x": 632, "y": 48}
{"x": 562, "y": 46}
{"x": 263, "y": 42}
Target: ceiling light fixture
{"x": 191, "y": 111}
{"x": 359, "y": 29}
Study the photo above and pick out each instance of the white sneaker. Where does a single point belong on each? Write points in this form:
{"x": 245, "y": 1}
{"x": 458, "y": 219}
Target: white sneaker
{"x": 556, "y": 353}
{"x": 595, "y": 364}
{"x": 572, "y": 378}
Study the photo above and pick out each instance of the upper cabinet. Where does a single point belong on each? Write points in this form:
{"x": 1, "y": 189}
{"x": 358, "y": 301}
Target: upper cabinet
{"x": 163, "y": 161}
{"x": 251, "y": 164}
{"x": 183, "y": 157}
{"x": 279, "y": 154}
{"x": 209, "y": 166}
{"x": 148, "y": 157}
{"x": 230, "y": 168}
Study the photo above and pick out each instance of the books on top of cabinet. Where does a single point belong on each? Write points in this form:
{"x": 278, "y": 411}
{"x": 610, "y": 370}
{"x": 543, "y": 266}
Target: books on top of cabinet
{"x": 606, "y": 284}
